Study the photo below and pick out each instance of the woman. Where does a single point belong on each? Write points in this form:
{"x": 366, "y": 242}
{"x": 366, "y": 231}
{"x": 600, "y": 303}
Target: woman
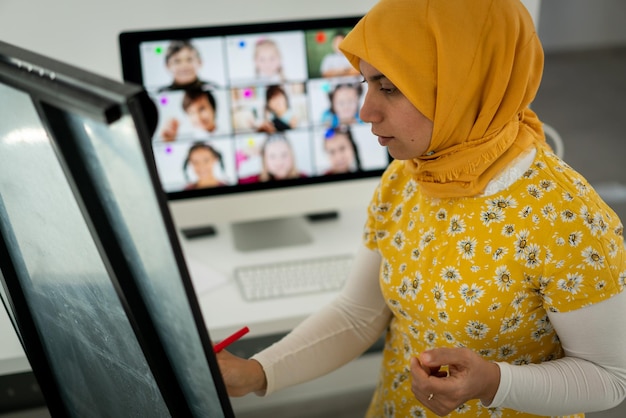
{"x": 496, "y": 271}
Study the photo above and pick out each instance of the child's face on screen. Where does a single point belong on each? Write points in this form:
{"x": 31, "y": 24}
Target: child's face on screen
{"x": 340, "y": 153}
{"x": 202, "y": 114}
{"x": 202, "y": 161}
{"x": 278, "y": 159}
{"x": 278, "y": 104}
{"x": 346, "y": 103}
{"x": 267, "y": 60}
{"x": 184, "y": 66}
{"x": 336, "y": 41}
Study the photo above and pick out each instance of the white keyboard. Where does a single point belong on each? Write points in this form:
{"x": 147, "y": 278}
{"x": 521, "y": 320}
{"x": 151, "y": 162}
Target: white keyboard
{"x": 291, "y": 278}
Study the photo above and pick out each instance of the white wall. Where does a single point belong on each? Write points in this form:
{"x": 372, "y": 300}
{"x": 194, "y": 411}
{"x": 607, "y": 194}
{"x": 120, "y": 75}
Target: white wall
{"x": 84, "y": 32}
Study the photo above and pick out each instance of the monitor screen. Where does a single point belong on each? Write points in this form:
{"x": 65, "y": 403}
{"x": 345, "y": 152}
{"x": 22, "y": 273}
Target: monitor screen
{"x": 92, "y": 274}
{"x": 252, "y": 108}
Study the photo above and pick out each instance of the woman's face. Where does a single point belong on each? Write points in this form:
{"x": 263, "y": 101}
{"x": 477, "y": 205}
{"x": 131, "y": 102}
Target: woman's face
{"x": 202, "y": 161}
{"x": 340, "y": 153}
{"x": 346, "y": 103}
{"x": 278, "y": 159}
{"x": 202, "y": 114}
{"x": 398, "y": 125}
{"x": 184, "y": 66}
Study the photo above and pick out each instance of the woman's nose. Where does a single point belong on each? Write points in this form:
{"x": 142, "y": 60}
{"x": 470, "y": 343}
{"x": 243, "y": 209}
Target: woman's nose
{"x": 368, "y": 112}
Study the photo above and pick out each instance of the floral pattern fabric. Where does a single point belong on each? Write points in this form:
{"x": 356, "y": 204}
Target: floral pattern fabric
{"x": 483, "y": 272}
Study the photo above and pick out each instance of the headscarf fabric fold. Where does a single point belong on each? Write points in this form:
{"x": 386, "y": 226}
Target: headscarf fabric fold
{"x": 472, "y": 67}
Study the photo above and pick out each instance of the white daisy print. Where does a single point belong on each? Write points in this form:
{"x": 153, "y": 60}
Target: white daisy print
{"x": 544, "y": 327}
{"x": 427, "y": 238}
{"x": 409, "y": 189}
{"x": 386, "y": 271}
{"x": 491, "y": 215}
{"x": 503, "y": 203}
{"x": 508, "y": 230}
{"x": 549, "y": 212}
{"x": 521, "y": 243}
{"x": 575, "y": 238}
{"x": 530, "y": 173}
{"x": 476, "y": 330}
{"x": 532, "y": 255}
{"x": 415, "y": 284}
{"x": 506, "y": 351}
{"x": 568, "y": 197}
{"x": 622, "y": 280}
{"x": 397, "y": 213}
{"x": 534, "y": 191}
{"x": 417, "y": 412}
{"x": 568, "y": 215}
{"x": 526, "y": 212}
{"x": 581, "y": 187}
{"x": 503, "y": 278}
{"x": 571, "y": 284}
{"x": 499, "y": 253}
{"x": 381, "y": 234}
{"x": 457, "y": 225}
{"x": 451, "y": 274}
{"x": 467, "y": 248}
{"x": 547, "y": 185}
{"x": 593, "y": 258}
{"x": 511, "y": 323}
{"x": 471, "y": 294}
{"x": 440, "y": 297}
{"x": 522, "y": 360}
{"x": 398, "y": 240}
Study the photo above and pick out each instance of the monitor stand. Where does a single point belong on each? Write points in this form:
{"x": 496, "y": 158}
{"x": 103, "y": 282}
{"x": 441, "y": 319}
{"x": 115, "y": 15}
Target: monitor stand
{"x": 271, "y": 233}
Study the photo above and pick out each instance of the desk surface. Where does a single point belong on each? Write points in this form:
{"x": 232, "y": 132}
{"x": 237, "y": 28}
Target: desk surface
{"x": 223, "y": 308}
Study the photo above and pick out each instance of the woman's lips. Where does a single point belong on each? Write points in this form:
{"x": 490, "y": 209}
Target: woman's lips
{"x": 384, "y": 140}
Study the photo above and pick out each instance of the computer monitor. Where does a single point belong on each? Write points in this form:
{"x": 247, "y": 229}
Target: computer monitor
{"x": 256, "y": 122}
{"x": 92, "y": 274}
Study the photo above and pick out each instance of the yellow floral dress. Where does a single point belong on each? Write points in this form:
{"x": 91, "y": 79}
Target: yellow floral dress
{"x": 483, "y": 272}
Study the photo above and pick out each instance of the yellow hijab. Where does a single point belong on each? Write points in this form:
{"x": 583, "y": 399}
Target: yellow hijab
{"x": 470, "y": 66}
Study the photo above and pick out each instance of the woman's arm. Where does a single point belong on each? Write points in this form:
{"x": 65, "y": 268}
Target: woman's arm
{"x": 335, "y": 335}
{"x": 591, "y": 376}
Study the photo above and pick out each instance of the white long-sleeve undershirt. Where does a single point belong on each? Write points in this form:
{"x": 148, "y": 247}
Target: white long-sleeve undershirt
{"x": 591, "y": 376}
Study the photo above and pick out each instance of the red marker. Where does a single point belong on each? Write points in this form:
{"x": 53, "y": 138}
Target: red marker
{"x": 230, "y": 339}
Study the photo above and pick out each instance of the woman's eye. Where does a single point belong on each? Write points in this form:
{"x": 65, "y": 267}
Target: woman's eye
{"x": 388, "y": 90}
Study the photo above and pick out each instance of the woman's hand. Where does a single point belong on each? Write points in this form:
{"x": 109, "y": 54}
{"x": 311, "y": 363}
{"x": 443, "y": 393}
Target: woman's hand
{"x": 469, "y": 376}
{"x": 241, "y": 376}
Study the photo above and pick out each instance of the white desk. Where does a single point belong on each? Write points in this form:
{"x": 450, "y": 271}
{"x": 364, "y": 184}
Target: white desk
{"x": 225, "y": 310}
